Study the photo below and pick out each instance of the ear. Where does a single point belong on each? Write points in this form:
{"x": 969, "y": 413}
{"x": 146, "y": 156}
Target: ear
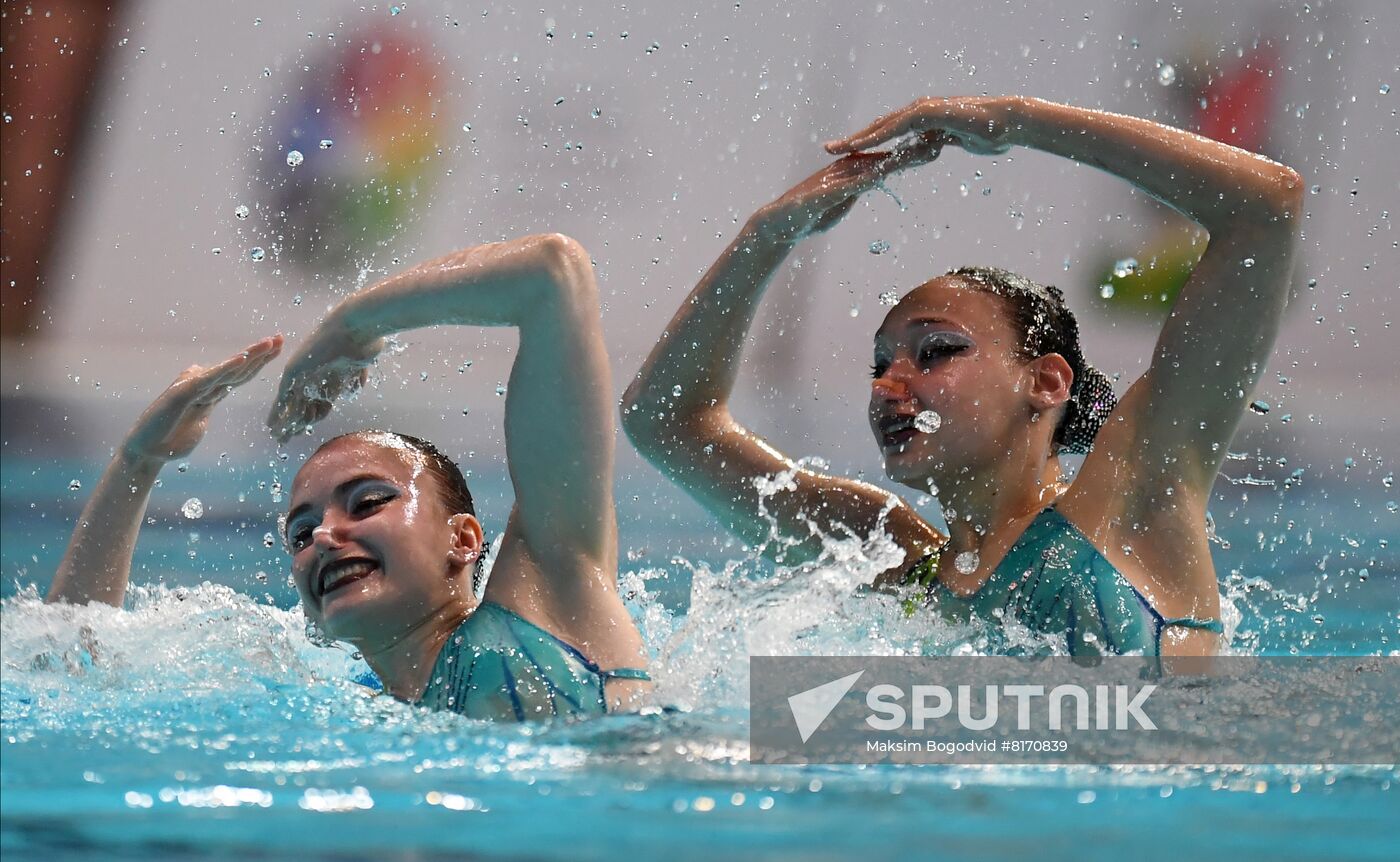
{"x": 467, "y": 539}
{"x": 1050, "y": 381}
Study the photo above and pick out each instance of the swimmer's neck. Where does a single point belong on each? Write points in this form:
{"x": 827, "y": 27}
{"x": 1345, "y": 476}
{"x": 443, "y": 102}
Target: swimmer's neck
{"x": 981, "y": 505}
{"x": 405, "y": 662}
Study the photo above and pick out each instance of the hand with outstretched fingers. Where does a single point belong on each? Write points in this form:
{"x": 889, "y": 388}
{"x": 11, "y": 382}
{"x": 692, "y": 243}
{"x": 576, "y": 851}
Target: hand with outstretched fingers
{"x": 978, "y": 124}
{"x": 817, "y": 203}
{"x": 330, "y": 364}
{"x": 176, "y": 421}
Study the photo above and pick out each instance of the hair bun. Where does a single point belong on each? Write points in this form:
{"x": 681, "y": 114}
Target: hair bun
{"x": 1091, "y": 401}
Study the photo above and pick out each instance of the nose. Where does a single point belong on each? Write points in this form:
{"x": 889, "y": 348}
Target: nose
{"x": 327, "y": 536}
{"x": 890, "y": 386}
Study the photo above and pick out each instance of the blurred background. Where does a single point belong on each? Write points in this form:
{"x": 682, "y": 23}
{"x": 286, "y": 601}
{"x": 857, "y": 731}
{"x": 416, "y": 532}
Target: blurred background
{"x": 179, "y": 179}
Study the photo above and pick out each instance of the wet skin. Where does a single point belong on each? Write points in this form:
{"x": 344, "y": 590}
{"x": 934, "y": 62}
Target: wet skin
{"x": 375, "y": 553}
{"x": 950, "y": 348}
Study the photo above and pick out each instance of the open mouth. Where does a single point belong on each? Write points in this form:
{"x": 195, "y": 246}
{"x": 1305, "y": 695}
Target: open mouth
{"x": 339, "y": 574}
{"x": 896, "y": 430}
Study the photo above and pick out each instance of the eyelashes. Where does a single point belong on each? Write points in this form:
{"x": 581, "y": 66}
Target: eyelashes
{"x": 927, "y": 354}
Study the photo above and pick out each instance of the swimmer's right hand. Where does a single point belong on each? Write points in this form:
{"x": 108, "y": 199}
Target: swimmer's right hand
{"x": 817, "y": 203}
{"x": 176, "y": 421}
{"x": 330, "y": 364}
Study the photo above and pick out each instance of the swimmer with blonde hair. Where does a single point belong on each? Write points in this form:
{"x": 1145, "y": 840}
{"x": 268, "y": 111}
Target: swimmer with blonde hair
{"x": 384, "y": 539}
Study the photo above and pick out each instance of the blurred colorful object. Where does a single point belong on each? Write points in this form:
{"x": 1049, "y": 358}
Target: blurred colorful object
{"x": 1234, "y": 106}
{"x": 354, "y": 152}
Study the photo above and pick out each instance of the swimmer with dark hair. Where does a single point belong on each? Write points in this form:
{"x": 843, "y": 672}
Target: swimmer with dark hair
{"x": 980, "y": 385}
{"x": 384, "y": 538}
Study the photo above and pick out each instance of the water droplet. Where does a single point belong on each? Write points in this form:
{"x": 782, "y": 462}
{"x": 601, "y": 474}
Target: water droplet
{"x": 1389, "y": 481}
{"x": 260, "y": 576}
{"x": 1166, "y": 75}
{"x": 257, "y": 253}
{"x": 500, "y": 389}
{"x": 597, "y": 112}
{"x": 397, "y": 8}
{"x": 879, "y": 246}
{"x": 1385, "y": 89}
{"x": 192, "y": 508}
{"x": 889, "y": 297}
{"x": 240, "y": 212}
{"x": 217, "y": 250}
{"x": 966, "y": 562}
{"x": 269, "y": 540}
{"x": 928, "y": 421}
{"x": 1247, "y": 262}
{"x": 1392, "y": 507}
{"x": 676, "y": 390}
{"x": 1125, "y": 267}
{"x": 1106, "y": 291}
{"x": 75, "y": 485}
{"x": 327, "y": 143}
{"x": 1260, "y": 407}
{"x": 855, "y": 311}
{"x": 294, "y": 158}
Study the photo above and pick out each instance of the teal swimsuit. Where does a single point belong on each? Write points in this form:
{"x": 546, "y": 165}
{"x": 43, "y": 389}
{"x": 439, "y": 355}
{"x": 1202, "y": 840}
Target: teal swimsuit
{"x": 1054, "y": 580}
{"x": 498, "y": 665}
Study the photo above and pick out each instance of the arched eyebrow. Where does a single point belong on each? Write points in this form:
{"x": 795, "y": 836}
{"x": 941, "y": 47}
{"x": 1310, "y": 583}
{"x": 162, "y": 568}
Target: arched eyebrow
{"x": 341, "y": 489}
{"x": 925, "y": 320}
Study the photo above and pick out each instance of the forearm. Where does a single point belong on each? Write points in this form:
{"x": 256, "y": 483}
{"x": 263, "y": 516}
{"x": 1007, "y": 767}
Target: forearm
{"x": 498, "y": 284}
{"x": 1219, "y": 186}
{"x": 97, "y": 564}
{"x": 702, "y": 346}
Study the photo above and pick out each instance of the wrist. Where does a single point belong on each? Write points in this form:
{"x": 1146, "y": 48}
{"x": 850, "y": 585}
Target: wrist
{"x": 771, "y": 227}
{"x": 137, "y": 465}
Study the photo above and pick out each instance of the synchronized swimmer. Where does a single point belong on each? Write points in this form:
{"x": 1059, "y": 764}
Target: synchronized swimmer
{"x": 383, "y": 537}
{"x": 979, "y": 386}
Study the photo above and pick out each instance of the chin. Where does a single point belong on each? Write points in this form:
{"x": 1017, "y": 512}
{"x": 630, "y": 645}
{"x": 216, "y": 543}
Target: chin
{"x": 913, "y": 465}
{"x": 353, "y": 612}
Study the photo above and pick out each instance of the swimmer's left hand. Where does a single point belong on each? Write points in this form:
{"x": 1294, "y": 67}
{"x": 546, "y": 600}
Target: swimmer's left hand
{"x": 979, "y": 125}
{"x": 330, "y": 364}
{"x": 176, "y": 421}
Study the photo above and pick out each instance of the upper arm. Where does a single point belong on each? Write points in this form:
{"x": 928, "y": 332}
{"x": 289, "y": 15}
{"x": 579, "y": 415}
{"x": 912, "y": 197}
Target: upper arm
{"x": 559, "y": 421}
{"x": 764, "y": 498}
{"x": 1174, "y": 423}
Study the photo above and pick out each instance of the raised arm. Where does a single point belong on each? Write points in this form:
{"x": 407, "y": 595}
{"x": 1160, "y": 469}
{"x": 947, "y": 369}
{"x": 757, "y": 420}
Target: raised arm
{"x": 558, "y": 422}
{"x": 97, "y": 564}
{"x": 1171, "y": 429}
{"x": 676, "y": 411}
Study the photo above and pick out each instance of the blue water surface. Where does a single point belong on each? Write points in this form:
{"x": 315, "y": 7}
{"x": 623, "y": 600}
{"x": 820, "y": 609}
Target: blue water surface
{"x": 199, "y": 723}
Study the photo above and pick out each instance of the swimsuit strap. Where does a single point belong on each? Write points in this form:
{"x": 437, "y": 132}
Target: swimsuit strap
{"x": 1194, "y": 623}
{"x": 625, "y": 673}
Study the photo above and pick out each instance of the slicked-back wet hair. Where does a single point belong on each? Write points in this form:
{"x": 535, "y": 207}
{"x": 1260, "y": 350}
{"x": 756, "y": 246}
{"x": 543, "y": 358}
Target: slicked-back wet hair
{"x": 452, "y": 485}
{"x": 1044, "y": 323}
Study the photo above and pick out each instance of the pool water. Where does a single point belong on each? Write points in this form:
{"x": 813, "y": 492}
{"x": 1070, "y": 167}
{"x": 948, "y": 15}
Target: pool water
{"x": 199, "y": 721}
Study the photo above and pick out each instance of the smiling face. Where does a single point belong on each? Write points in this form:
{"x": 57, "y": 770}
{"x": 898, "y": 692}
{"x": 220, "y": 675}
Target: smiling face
{"x": 374, "y": 549}
{"x": 951, "y": 348}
